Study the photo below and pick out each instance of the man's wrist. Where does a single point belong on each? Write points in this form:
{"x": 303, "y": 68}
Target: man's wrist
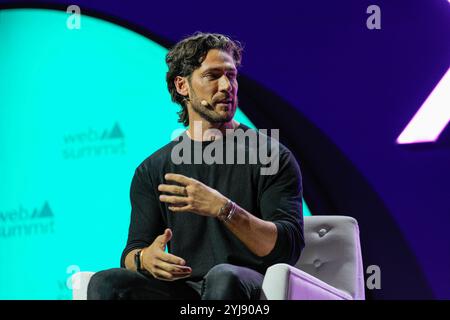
{"x": 139, "y": 260}
{"x": 227, "y": 211}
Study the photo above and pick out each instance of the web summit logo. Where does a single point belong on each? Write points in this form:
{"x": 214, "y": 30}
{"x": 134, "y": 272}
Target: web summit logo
{"x": 94, "y": 143}
{"x": 23, "y": 222}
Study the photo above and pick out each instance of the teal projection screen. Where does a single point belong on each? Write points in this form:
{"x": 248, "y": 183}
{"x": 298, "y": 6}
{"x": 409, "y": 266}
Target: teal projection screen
{"x": 78, "y": 111}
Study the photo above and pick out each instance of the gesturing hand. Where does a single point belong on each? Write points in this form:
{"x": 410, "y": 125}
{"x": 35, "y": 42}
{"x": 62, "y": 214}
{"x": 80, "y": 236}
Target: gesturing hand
{"x": 162, "y": 265}
{"x": 192, "y": 196}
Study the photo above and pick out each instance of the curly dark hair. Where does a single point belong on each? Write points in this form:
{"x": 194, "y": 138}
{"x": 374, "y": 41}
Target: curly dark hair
{"x": 188, "y": 54}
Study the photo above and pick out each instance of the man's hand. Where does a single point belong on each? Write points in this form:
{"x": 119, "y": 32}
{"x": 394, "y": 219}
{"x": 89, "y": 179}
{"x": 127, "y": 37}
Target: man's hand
{"x": 192, "y": 196}
{"x": 162, "y": 265}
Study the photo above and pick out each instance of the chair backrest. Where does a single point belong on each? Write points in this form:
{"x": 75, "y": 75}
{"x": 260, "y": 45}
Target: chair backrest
{"x": 333, "y": 253}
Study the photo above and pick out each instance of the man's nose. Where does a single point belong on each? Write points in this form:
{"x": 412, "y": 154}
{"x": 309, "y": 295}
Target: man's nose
{"x": 224, "y": 84}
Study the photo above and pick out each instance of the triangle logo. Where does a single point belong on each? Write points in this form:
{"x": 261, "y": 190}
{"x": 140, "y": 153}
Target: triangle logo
{"x": 46, "y": 212}
{"x": 116, "y": 132}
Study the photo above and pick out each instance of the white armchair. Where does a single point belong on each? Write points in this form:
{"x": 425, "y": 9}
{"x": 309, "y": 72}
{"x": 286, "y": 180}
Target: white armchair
{"x": 330, "y": 267}
{"x": 80, "y": 281}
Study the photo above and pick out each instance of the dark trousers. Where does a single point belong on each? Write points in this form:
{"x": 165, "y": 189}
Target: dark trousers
{"x": 222, "y": 282}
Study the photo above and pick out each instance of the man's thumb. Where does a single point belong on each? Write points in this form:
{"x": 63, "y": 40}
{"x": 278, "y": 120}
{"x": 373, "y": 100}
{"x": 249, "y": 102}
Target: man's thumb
{"x": 166, "y": 236}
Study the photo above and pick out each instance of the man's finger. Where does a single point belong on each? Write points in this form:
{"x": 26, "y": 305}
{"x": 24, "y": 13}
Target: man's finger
{"x": 173, "y": 199}
{"x": 175, "y": 208}
{"x": 172, "y": 189}
{"x": 165, "y": 237}
{"x": 173, "y": 268}
{"x": 177, "y": 277}
{"x": 163, "y": 275}
{"x": 167, "y": 276}
{"x": 170, "y": 258}
{"x": 178, "y": 178}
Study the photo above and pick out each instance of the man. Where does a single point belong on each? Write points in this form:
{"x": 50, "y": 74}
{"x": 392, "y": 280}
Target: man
{"x": 223, "y": 224}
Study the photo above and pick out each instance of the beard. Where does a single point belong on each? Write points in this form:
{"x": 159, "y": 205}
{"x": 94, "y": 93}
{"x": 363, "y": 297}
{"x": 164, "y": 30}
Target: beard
{"x": 209, "y": 113}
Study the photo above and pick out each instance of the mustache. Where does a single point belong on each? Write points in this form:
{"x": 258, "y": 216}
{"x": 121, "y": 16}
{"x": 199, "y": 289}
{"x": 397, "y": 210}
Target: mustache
{"x": 223, "y": 99}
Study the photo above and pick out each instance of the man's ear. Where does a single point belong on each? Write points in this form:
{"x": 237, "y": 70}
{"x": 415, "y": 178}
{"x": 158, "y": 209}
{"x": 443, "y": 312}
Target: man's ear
{"x": 182, "y": 85}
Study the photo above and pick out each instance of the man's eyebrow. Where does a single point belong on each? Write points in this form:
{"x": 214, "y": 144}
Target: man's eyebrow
{"x": 219, "y": 69}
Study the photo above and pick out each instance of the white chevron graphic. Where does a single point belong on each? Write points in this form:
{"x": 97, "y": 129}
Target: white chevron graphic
{"x": 432, "y": 117}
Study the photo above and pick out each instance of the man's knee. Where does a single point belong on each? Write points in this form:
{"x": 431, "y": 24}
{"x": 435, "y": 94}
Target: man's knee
{"x": 106, "y": 284}
{"x": 223, "y": 274}
{"x": 225, "y": 282}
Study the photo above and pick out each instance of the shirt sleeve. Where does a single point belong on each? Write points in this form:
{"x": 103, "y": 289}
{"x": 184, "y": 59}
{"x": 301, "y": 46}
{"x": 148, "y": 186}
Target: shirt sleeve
{"x": 146, "y": 221}
{"x": 281, "y": 203}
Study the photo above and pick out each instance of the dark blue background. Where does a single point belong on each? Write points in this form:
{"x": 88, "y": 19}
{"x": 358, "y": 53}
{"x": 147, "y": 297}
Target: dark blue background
{"x": 359, "y": 88}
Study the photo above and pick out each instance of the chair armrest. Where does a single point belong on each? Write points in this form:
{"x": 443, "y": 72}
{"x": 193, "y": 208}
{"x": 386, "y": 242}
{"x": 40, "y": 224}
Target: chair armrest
{"x": 285, "y": 282}
{"x": 80, "y": 281}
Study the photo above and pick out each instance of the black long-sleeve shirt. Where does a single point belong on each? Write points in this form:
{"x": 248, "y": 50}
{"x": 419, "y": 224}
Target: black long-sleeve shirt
{"x": 205, "y": 241}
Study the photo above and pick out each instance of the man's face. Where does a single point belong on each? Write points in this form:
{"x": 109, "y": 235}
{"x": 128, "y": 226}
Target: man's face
{"x": 215, "y": 81}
